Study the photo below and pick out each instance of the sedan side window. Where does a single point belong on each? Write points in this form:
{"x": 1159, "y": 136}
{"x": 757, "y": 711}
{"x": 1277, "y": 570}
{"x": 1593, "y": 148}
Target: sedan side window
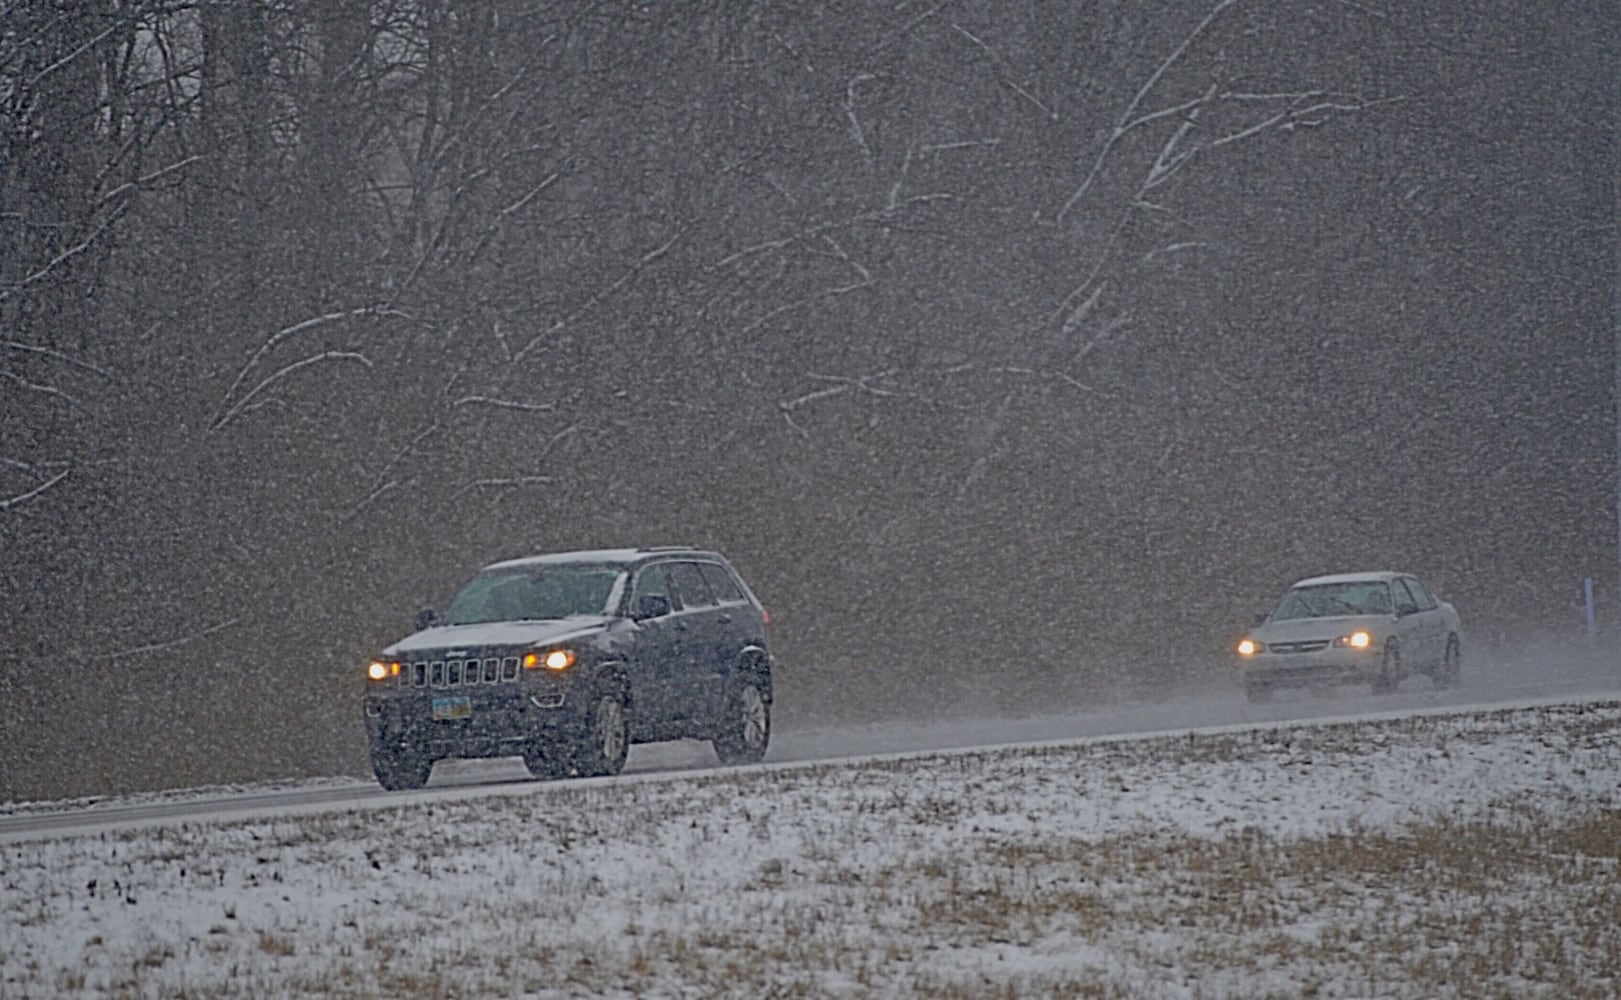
{"x": 1425, "y": 599}
{"x": 1377, "y": 600}
{"x": 1405, "y": 600}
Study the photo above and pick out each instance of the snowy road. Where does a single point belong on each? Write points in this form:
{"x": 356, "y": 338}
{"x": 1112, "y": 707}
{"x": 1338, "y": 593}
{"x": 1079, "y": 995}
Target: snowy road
{"x": 1421, "y": 851}
{"x": 1218, "y": 707}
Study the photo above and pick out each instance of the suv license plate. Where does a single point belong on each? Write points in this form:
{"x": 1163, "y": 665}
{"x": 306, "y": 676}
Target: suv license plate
{"x": 453, "y": 708}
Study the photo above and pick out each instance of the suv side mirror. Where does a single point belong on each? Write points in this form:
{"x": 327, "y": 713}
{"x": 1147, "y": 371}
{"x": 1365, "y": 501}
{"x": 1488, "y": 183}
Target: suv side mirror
{"x": 1405, "y": 608}
{"x": 426, "y": 618}
{"x": 651, "y": 606}
{"x": 1260, "y": 619}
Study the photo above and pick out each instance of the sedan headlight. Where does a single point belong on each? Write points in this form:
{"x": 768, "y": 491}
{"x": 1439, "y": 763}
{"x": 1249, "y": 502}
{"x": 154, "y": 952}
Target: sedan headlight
{"x": 1356, "y": 640}
{"x": 1249, "y": 647}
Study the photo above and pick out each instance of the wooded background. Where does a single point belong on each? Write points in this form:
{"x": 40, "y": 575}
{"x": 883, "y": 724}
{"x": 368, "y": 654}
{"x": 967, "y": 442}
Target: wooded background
{"x": 1017, "y": 353}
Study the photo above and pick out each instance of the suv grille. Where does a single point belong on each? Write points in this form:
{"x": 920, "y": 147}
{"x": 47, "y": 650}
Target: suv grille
{"x": 458, "y": 673}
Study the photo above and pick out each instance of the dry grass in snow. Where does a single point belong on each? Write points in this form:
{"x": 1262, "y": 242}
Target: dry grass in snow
{"x": 1473, "y": 855}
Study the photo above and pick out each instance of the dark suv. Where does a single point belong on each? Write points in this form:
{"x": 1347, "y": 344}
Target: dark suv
{"x": 567, "y": 659}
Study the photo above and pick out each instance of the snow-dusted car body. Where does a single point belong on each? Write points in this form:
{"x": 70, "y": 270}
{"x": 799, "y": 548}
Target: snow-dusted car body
{"x": 566, "y": 659}
{"x": 1352, "y": 628}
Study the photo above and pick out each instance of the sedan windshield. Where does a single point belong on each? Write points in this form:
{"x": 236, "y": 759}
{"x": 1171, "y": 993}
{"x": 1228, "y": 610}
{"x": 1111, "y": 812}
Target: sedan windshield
{"x": 533, "y": 595}
{"x": 1335, "y": 600}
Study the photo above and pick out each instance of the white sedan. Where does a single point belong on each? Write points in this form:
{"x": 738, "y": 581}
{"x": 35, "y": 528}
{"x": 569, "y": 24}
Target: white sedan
{"x": 1352, "y": 628}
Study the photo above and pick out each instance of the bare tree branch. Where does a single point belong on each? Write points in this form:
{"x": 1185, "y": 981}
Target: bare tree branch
{"x": 45, "y": 390}
{"x": 811, "y": 397}
{"x": 387, "y": 483}
{"x": 17, "y": 345}
{"x": 500, "y": 219}
{"x": 485, "y": 484}
{"x": 64, "y": 256}
{"x": 819, "y": 229}
{"x": 1002, "y": 74}
{"x": 1297, "y": 117}
{"x": 1051, "y": 374}
{"x": 504, "y": 404}
{"x": 21, "y": 498}
{"x": 159, "y": 647}
{"x": 624, "y": 279}
{"x": 801, "y": 303}
{"x": 1126, "y": 123}
{"x": 242, "y": 403}
{"x": 856, "y": 131}
{"x": 283, "y": 334}
{"x": 509, "y": 482}
{"x": 89, "y": 45}
{"x": 148, "y": 178}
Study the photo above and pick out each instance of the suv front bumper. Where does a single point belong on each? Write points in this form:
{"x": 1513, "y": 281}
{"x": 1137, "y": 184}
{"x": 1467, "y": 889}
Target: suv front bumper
{"x": 472, "y": 722}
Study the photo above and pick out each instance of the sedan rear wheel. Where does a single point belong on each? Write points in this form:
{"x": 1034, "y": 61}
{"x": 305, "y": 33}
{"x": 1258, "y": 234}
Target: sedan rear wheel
{"x": 1446, "y": 673}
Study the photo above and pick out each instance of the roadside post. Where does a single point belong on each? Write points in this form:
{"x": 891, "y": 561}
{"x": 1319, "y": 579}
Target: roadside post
{"x": 1587, "y": 603}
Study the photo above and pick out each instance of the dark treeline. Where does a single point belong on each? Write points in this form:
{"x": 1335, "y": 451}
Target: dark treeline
{"x": 1017, "y": 353}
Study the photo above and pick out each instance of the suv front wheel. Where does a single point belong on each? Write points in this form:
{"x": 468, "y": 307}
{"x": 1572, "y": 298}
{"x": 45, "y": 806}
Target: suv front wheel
{"x": 607, "y": 737}
{"x": 548, "y": 760}
{"x": 401, "y": 769}
{"x": 745, "y": 728}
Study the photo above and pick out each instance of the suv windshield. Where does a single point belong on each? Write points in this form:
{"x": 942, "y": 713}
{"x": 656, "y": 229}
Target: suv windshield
{"x": 1334, "y": 600}
{"x": 533, "y": 595}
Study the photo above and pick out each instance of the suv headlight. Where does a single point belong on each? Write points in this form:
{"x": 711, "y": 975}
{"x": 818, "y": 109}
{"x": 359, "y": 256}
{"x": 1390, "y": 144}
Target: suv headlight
{"x": 555, "y": 660}
{"x": 1249, "y": 647}
{"x": 382, "y": 670}
{"x": 1356, "y": 640}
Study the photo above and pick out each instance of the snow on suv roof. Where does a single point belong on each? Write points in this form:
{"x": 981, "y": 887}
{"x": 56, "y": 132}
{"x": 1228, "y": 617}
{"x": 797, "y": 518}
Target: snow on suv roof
{"x": 596, "y": 556}
{"x": 1382, "y": 575}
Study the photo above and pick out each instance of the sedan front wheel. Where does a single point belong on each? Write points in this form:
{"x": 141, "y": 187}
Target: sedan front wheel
{"x": 1445, "y": 674}
{"x": 1389, "y": 671}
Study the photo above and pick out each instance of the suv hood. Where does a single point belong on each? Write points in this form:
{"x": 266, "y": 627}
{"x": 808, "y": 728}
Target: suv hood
{"x": 497, "y": 634}
{"x": 1298, "y": 629}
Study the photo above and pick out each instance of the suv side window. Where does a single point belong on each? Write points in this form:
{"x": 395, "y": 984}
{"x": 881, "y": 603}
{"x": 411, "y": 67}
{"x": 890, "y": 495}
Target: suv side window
{"x": 1426, "y": 600}
{"x": 689, "y": 585}
{"x": 650, "y": 580}
{"x": 721, "y": 583}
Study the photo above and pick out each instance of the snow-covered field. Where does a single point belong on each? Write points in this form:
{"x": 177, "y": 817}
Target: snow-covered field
{"x": 1445, "y": 855}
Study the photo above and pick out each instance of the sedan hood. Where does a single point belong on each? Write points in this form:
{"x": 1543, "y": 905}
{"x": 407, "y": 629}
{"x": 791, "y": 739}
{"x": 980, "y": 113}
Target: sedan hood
{"x": 1300, "y": 629}
{"x": 497, "y": 634}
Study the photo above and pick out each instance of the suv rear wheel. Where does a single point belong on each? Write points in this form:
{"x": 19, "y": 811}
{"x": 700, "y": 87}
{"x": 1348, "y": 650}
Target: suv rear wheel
{"x": 745, "y": 729}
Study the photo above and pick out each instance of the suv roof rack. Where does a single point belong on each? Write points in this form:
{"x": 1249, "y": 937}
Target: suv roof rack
{"x": 666, "y": 548}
